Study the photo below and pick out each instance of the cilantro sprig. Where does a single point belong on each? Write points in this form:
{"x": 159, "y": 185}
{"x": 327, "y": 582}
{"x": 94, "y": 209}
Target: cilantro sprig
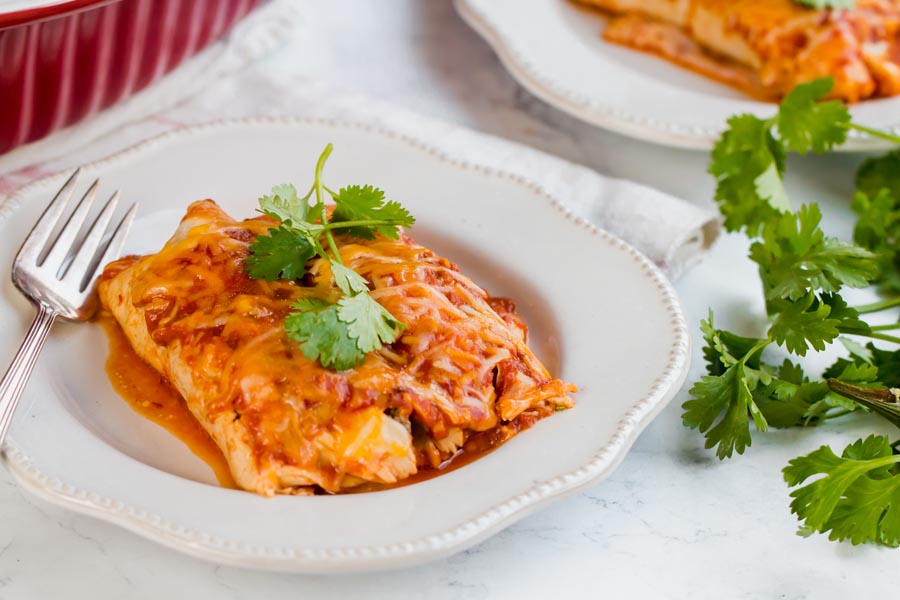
{"x": 748, "y": 161}
{"x": 339, "y": 335}
{"x": 803, "y": 273}
{"x": 857, "y": 497}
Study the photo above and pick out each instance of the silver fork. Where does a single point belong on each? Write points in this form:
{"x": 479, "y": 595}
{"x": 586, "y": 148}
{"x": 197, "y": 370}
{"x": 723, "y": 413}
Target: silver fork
{"x": 58, "y": 274}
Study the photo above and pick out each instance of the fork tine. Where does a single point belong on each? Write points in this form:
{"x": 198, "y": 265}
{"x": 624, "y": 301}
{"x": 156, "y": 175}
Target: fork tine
{"x": 113, "y": 248}
{"x": 88, "y": 249}
{"x": 66, "y": 238}
{"x": 40, "y": 233}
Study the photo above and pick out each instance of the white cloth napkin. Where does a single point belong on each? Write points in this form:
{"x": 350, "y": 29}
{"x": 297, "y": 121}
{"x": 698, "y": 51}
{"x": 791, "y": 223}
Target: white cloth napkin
{"x": 670, "y": 231}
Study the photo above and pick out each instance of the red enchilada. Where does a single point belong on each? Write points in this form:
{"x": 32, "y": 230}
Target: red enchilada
{"x": 460, "y": 374}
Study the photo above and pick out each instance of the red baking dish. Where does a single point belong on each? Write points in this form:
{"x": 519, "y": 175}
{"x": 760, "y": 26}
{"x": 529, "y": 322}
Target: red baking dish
{"x": 63, "y": 60}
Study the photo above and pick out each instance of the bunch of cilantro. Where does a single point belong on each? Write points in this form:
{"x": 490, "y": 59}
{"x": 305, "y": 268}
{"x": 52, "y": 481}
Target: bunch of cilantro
{"x": 855, "y": 495}
{"x": 337, "y": 334}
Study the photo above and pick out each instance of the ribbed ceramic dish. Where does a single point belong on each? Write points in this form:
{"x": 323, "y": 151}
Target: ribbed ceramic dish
{"x": 555, "y": 50}
{"x": 600, "y": 315}
{"x": 61, "y": 61}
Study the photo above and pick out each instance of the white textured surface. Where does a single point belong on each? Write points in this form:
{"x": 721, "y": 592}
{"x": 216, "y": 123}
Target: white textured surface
{"x": 670, "y": 522}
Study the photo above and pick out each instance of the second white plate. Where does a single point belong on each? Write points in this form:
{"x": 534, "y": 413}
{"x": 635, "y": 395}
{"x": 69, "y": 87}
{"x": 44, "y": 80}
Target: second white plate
{"x": 555, "y": 50}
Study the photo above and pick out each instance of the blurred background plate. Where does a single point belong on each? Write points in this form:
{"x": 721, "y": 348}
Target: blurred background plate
{"x": 554, "y": 49}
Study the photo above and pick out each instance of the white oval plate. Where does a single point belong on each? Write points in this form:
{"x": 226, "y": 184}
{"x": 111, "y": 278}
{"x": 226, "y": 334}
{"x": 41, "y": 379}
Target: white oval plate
{"x": 555, "y": 50}
{"x": 601, "y": 315}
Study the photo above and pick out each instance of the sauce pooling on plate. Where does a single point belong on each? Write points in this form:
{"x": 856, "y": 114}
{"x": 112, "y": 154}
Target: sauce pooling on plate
{"x": 148, "y": 393}
{"x": 151, "y": 396}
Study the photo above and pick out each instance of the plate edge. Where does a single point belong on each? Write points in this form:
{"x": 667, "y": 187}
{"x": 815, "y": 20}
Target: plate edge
{"x": 616, "y": 120}
{"x": 363, "y": 558}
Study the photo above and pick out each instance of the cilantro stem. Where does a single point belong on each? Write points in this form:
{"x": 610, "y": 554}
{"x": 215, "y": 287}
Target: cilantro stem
{"x": 885, "y": 327}
{"x": 333, "y": 247}
{"x": 837, "y": 414}
{"x": 758, "y": 347}
{"x": 870, "y": 334}
{"x": 877, "y": 306}
{"x": 363, "y": 223}
{"x": 320, "y": 194}
{"x": 320, "y": 166}
{"x": 877, "y": 463}
{"x": 875, "y": 133}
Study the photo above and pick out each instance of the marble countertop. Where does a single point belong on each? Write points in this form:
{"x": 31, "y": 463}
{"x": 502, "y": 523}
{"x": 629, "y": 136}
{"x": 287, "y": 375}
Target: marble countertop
{"x": 672, "y": 521}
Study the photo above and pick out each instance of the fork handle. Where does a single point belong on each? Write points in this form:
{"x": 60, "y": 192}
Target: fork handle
{"x": 13, "y": 383}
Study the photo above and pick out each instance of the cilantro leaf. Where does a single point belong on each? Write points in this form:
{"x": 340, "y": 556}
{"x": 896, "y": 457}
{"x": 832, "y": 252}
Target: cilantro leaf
{"x": 801, "y": 407}
{"x": 729, "y": 395}
{"x": 857, "y": 350}
{"x": 735, "y": 372}
{"x": 847, "y": 316}
{"x": 791, "y": 373}
{"x": 878, "y": 230}
{"x": 792, "y": 400}
{"x": 858, "y": 497}
{"x": 280, "y": 255}
{"x": 862, "y": 374}
{"x": 747, "y": 163}
{"x": 368, "y": 322}
{"x": 340, "y": 335}
{"x": 877, "y": 204}
{"x": 803, "y": 324}
{"x": 322, "y": 335}
{"x": 839, "y": 366}
{"x": 769, "y": 187}
{"x": 859, "y": 373}
{"x": 361, "y": 203}
{"x": 879, "y": 217}
{"x": 880, "y": 173}
{"x": 859, "y": 355}
{"x": 842, "y": 264}
{"x": 723, "y": 348}
{"x": 805, "y": 124}
{"x": 284, "y": 205}
{"x": 348, "y": 281}
{"x": 885, "y": 362}
{"x": 785, "y": 402}
{"x": 888, "y": 364}
{"x": 795, "y": 257}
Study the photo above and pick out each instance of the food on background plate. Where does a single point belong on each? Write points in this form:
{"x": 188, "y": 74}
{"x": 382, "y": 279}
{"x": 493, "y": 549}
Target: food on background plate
{"x": 322, "y": 348}
{"x": 767, "y": 47}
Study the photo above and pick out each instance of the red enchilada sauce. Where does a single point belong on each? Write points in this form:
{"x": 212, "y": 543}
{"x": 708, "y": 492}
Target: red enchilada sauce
{"x": 151, "y": 396}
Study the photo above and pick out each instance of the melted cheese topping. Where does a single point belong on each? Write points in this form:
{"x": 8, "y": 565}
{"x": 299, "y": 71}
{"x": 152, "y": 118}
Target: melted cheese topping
{"x": 283, "y": 422}
{"x": 766, "y": 47}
